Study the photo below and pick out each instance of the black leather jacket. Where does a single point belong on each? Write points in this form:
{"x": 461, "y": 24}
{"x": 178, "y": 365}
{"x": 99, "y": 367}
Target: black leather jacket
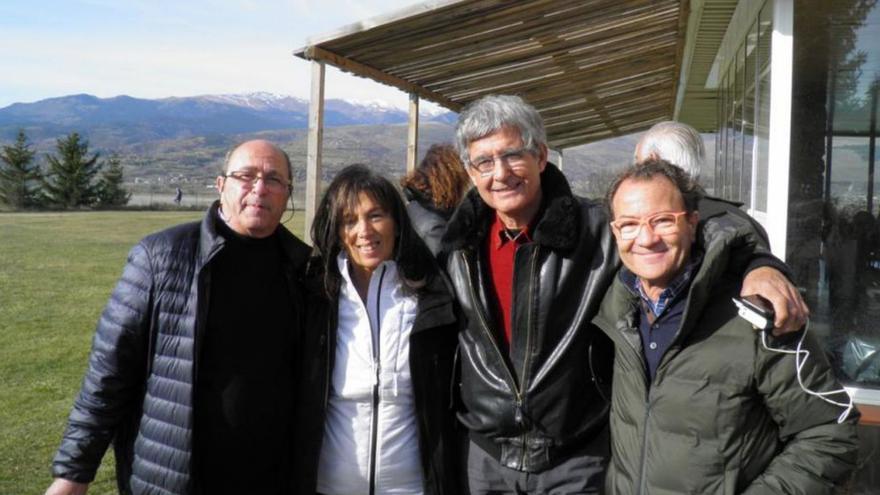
{"x": 542, "y": 401}
{"x": 138, "y": 390}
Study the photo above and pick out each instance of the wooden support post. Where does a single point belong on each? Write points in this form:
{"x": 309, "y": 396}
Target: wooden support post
{"x": 412, "y": 145}
{"x": 315, "y": 148}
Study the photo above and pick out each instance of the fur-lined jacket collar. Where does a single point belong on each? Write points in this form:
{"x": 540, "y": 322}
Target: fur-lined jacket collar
{"x": 556, "y": 228}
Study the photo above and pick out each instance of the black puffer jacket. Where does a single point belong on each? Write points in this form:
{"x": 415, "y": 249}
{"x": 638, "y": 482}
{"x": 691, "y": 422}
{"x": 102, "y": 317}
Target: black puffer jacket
{"x": 533, "y": 407}
{"x": 432, "y": 345}
{"x": 138, "y": 390}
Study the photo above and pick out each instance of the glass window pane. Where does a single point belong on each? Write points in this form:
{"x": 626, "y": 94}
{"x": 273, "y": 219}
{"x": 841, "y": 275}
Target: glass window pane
{"x": 731, "y": 134}
{"x": 762, "y": 109}
{"x": 749, "y": 80}
{"x": 846, "y": 308}
{"x": 739, "y": 96}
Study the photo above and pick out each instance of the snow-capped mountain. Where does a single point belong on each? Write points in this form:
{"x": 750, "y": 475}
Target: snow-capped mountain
{"x": 137, "y": 120}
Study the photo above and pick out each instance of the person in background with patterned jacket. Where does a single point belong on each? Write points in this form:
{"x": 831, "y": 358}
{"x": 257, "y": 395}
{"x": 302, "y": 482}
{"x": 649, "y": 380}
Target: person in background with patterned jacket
{"x": 702, "y": 403}
{"x": 192, "y": 373}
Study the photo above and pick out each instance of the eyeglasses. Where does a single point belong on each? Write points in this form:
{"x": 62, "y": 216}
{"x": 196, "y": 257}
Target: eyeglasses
{"x": 515, "y": 159}
{"x": 663, "y": 223}
{"x": 249, "y": 180}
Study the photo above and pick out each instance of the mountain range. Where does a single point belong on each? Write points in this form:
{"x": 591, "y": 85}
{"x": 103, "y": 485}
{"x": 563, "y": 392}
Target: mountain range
{"x": 181, "y": 141}
{"x": 124, "y": 120}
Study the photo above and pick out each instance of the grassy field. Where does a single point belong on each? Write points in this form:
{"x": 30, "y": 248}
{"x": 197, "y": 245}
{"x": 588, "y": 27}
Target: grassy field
{"x": 56, "y": 273}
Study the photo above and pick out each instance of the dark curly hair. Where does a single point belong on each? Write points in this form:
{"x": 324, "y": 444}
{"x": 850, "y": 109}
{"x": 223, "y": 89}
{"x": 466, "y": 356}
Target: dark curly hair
{"x": 691, "y": 192}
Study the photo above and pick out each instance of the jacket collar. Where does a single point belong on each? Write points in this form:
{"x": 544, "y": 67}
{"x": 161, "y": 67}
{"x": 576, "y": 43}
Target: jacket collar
{"x": 436, "y": 305}
{"x": 621, "y": 302}
{"x": 556, "y": 228}
{"x": 211, "y": 242}
{"x": 424, "y": 200}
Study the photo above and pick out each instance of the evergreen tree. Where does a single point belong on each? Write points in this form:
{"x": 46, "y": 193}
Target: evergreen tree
{"x": 69, "y": 178}
{"x": 110, "y": 190}
{"x": 19, "y": 175}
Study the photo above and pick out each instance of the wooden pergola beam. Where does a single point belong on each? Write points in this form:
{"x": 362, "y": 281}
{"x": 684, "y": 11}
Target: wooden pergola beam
{"x": 315, "y": 147}
{"x": 412, "y": 135}
{"x": 316, "y": 53}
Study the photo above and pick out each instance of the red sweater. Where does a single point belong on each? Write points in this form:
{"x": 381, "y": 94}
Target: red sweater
{"x": 500, "y": 251}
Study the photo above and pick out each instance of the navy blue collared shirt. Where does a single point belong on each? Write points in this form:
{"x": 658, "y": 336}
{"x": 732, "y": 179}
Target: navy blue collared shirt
{"x": 660, "y": 320}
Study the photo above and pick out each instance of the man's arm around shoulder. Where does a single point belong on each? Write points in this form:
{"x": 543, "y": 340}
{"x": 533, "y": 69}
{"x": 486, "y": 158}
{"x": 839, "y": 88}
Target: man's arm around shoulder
{"x": 764, "y": 274}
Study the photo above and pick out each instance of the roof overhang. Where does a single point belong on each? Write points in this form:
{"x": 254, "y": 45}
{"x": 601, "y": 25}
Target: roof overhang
{"x": 708, "y": 28}
{"x": 594, "y": 69}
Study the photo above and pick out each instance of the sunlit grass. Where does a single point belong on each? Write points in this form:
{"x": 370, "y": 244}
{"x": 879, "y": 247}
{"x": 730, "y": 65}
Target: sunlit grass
{"x": 56, "y": 273}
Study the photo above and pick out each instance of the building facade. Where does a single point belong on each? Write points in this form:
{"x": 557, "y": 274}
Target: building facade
{"x": 796, "y": 87}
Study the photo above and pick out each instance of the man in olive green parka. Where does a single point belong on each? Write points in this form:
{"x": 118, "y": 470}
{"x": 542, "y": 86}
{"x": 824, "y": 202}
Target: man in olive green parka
{"x": 699, "y": 404}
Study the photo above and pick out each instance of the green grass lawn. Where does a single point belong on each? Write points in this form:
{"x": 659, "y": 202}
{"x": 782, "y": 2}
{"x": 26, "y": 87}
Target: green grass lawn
{"x": 56, "y": 273}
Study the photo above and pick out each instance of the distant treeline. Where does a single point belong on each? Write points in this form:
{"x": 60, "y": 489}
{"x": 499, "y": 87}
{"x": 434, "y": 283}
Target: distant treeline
{"x": 68, "y": 179}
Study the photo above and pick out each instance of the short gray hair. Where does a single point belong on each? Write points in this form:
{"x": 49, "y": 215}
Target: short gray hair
{"x": 675, "y": 142}
{"x": 494, "y": 112}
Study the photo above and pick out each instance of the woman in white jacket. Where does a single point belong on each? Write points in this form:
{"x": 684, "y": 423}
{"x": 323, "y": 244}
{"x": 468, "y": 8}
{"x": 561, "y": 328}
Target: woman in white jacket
{"x": 392, "y": 330}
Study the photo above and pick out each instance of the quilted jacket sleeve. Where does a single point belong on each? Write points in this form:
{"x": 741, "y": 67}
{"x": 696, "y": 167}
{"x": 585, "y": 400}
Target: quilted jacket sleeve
{"x": 114, "y": 381}
{"x": 818, "y": 453}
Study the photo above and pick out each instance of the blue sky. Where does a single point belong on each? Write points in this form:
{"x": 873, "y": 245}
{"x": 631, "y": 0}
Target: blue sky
{"x": 160, "y": 48}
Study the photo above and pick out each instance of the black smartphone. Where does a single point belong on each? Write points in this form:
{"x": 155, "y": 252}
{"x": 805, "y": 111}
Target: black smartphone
{"x": 756, "y": 310}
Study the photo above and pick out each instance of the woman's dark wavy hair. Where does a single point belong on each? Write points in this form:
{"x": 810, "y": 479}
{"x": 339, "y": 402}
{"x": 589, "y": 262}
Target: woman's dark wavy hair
{"x": 415, "y": 263}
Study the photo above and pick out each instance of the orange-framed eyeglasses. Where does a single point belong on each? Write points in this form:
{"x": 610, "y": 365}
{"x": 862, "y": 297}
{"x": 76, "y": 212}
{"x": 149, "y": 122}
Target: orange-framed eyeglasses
{"x": 662, "y": 223}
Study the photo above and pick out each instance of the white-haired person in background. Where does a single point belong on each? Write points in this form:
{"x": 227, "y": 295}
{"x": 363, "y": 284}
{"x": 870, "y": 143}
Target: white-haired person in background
{"x": 676, "y": 143}
{"x": 682, "y": 145}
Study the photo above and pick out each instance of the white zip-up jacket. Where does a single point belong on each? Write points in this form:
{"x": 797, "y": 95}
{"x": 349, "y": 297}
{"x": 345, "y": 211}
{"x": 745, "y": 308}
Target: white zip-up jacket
{"x": 371, "y": 440}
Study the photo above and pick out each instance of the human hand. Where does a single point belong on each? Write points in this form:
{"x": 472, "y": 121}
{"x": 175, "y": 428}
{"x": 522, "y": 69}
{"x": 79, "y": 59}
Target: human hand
{"x": 788, "y": 305}
{"x": 62, "y": 486}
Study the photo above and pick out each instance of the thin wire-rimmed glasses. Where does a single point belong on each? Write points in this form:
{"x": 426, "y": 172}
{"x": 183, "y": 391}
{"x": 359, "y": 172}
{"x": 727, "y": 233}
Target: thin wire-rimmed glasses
{"x": 248, "y": 180}
{"x": 662, "y": 223}
{"x": 515, "y": 159}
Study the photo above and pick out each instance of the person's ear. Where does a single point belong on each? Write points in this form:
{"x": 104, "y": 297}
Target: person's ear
{"x": 473, "y": 174}
{"x": 693, "y": 219}
{"x": 542, "y": 156}
{"x": 219, "y": 182}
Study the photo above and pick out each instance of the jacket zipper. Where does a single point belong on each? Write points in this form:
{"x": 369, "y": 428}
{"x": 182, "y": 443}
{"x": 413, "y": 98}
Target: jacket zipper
{"x": 650, "y": 389}
{"x": 644, "y": 449}
{"x": 643, "y": 468}
{"x": 638, "y": 351}
{"x": 479, "y": 310}
{"x": 331, "y": 326}
{"x": 643, "y": 456}
{"x": 377, "y": 360}
{"x": 203, "y": 299}
{"x": 528, "y": 349}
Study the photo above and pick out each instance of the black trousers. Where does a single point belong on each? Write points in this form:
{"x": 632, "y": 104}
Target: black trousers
{"x": 582, "y": 472}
